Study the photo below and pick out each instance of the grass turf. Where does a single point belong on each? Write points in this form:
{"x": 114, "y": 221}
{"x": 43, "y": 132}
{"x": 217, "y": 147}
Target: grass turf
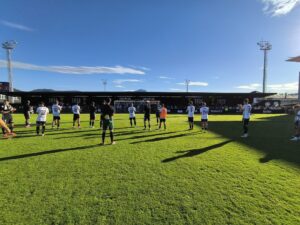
{"x": 152, "y": 177}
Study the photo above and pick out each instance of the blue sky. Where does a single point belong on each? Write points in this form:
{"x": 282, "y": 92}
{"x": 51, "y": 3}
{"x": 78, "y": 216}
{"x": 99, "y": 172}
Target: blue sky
{"x": 154, "y": 45}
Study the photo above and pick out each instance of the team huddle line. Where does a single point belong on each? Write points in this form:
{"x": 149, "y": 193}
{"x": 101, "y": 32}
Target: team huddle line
{"x": 107, "y": 113}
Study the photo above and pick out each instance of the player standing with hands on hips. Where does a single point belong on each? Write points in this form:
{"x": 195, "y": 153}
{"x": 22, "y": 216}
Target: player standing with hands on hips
{"x": 246, "y": 108}
{"x": 76, "y": 115}
{"x": 204, "y": 110}
{"x": 191, "y": 111}
{"x": 56, "y": 109}
{"x": 42, "y": 112}
{"x": 132, "y": 111}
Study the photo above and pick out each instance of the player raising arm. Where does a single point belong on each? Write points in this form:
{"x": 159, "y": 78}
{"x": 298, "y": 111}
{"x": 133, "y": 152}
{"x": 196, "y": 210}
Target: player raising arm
{"x": 204, "y": 110}
{"x": 191, "y": 111}
{"x": 42, "y": 112}
{"x": 76, "y": 115}
{"x": 132, "y": 111}
{"x": 108, "y": 112}
{"x": 297, "y": 123}
{"x": 56, "y": 109}
{"x": 246, "y": 109}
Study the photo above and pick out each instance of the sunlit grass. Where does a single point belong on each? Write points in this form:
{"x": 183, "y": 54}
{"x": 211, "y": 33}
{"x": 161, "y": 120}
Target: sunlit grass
{"x": 152, "y": 177}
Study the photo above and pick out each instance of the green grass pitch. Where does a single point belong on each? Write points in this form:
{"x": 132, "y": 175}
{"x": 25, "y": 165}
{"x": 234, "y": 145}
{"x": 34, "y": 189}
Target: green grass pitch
{"x": 152, "y": 177}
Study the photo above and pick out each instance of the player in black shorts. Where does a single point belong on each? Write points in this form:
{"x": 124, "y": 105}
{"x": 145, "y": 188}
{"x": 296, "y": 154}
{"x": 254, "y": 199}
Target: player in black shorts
{"x": 7, "y": 117}
{"x": 147, "y": 111}
{"x": 27, "y": 109}
{"x": 92, "y": 114}
{"x": 108, "y": 112}
{"x": 157, "y": 113}
{"x": 101, "y": 114}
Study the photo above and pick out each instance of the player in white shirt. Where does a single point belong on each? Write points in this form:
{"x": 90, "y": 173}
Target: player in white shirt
{"x": 132, "y": 111}
{"x": 204, "y": 110}
{"x": 297, "y": 123}
{"x": 42, "y": 112}
{"x": 76, "y": 115}
{"x": 191, "y": 111}
{"x": 56, "y": 109}
{"x": 246, "y": 108}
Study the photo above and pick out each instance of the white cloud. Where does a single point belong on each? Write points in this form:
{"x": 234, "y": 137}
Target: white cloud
{"x": 287, "y": 87}
{"x": 119, "y": 86}
{"x": 195, "y": 83}
{"x": 121, "y": 81}
{"x": 249, "y": 86}
{"x": 279, "y": 7}
{"x": 176, "y": 89}
{"x": 165, "y": 78}
{"x": 15, "y": 25}
{"x": 140, "y": 67}
{"x": 284, "y": 87}
{"x": 74, "y": 69}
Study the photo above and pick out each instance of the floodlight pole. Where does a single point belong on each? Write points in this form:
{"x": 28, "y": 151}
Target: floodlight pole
{"x": 104, "y": 82}
{"x": 265, "y": 46}
{"x": 299, "y": 89}
{"x": 187, "y": 84}
{"x": 9, "y": 46}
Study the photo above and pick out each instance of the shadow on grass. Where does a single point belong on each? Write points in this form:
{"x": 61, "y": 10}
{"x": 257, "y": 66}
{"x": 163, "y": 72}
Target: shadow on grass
{"x": 195, "y": 152}
{"x": 145, "y": 136}
{"x": 47, "y": 152}
{"x": 165, "y": 138}
{"x": 269, "y": 135}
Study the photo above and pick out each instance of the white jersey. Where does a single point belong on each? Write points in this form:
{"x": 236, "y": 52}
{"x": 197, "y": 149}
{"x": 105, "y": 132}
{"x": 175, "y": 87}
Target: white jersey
{"x": 297, "y": 117}
{"x": 131, "y": 111}
{"x": 191, "y": 110}
{"x": 76, "y": 109}
{"x": 56, "y": 110}
{"x": 247, "y": 111}
{"x": 42, "y": 112}
{"x": 204, "y": 112}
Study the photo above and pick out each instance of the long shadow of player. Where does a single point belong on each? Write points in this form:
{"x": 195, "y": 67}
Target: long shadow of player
{"x": 195, "y": 152}
{"x": 269, "y": 135}
{"x": 47, "y": 152}
{"x": 165, "y": 137}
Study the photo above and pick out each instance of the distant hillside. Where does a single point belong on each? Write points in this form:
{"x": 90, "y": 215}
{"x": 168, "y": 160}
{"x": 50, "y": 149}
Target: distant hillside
{"x": 140, "y": 90}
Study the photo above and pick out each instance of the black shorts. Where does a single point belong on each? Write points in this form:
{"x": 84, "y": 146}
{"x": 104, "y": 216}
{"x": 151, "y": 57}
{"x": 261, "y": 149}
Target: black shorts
{"x": 146, "y": 117}
{"x": 101, "y": 117}
{"x": 56, "y": 117}
{"x": 27, "y": 115}
{"x": 246, "y": 122}
{"x": 40, "y": 123}
{"x": 92, "y": 116}
{"x": 76, "y": 117}
{"x": 157, "y": 114}
{"x": 8, "y": 119}
{"x": 191, "y": 119}
{"x": 131, "y": 118}
{"x": 204, "y": 120}
{"x": 162, "y": 119}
